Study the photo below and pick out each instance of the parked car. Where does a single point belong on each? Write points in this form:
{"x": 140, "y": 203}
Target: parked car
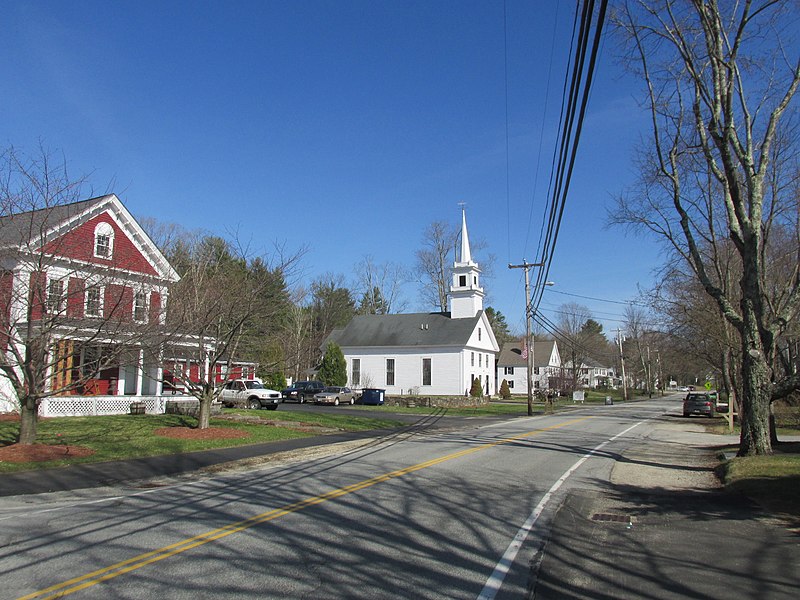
{"x": 699, "y": 403}
{"x": 302, "y": 391}
{"x": 249, "y": 393}
{"x": 335, "y": 395}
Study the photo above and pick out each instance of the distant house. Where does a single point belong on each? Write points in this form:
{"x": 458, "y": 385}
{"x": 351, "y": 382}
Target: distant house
{"x": 426, "y": 353}
{"x": 593, "y": 374}
{"x": 512, "y": 365}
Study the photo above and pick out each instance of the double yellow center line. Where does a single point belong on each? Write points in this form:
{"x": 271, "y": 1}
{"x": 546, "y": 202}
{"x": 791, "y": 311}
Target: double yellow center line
{"x": 137, "y": 562}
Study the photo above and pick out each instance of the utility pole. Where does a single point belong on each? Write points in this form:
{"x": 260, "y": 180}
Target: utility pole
{"x": 622, "y": 362}
{"x": 528, "y": 334}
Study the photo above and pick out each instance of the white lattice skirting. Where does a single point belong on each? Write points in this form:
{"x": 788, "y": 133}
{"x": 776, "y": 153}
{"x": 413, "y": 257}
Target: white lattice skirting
{"x": 87, "y": 406}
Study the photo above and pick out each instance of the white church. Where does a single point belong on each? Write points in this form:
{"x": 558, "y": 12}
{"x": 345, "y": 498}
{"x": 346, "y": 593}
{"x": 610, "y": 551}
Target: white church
{"x": 437, "y": 354}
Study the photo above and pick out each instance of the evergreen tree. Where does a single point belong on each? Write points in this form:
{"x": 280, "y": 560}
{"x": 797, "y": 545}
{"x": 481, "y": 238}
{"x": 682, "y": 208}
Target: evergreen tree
{"x": 372, "y": 303}
{"x": 497, "y": 320}
{"x": 476, "y": 391}
{"x": 505, "y": 392}
{"x": 334, "y": 367}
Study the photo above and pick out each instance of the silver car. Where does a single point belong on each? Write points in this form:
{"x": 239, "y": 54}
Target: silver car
{"x": 335, "y": 395}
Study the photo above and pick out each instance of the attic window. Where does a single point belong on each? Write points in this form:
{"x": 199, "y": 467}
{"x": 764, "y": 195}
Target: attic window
{"x": 103, "y": 240}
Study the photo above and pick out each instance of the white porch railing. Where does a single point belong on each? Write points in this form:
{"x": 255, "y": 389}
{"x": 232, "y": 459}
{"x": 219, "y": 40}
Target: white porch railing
{"x": 86, "y": 406}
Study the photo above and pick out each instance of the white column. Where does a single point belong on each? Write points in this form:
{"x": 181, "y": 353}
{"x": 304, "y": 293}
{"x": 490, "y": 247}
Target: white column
{"x": 139, "y": 372}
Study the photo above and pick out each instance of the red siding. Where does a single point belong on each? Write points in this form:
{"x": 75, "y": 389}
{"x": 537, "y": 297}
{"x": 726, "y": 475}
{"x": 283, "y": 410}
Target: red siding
{"x": 75, "y": 293}
{"x": 155, "y": 307}
{"x": 78, "y": 244}
{"x": 6, "y": 290}
{"x": 37, "y": 294}
{"x": 119, "y": 302}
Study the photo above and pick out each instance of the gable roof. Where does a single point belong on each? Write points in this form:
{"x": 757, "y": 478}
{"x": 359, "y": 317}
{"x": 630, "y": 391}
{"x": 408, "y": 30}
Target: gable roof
{"x": 405, "y": 330}
{"x": 36, "y": 228}
{"x": 511, "y": 354}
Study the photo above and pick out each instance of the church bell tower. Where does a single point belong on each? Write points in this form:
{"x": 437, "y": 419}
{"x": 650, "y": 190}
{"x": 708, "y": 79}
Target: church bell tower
{"x": 466, "y": 294}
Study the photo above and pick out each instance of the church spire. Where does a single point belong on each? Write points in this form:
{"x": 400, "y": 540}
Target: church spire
{"x": 466, "y": 255}
{"x": 466, "y": 293}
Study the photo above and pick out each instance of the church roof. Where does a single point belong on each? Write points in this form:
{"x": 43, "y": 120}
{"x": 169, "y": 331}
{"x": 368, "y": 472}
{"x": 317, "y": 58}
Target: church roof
{"x": 405, "y": 330}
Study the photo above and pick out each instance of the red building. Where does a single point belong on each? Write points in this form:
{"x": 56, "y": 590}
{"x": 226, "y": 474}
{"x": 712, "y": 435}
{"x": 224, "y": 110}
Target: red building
{"x": 85, "y": 282}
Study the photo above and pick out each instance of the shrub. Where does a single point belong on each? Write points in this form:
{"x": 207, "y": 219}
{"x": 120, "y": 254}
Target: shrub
{"x": 476, "y": 391}
{"x": 505, "y": 392}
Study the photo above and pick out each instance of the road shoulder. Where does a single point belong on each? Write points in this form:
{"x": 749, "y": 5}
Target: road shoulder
{"x": 664, "y": 528}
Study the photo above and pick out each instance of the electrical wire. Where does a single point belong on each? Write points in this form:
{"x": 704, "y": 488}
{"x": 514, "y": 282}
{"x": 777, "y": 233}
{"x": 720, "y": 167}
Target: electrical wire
{"x": 572, "y": 125}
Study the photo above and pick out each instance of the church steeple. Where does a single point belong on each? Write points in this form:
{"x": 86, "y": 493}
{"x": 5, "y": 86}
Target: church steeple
{"x": 466, "y": 255}
{"x": 466, "y": 294}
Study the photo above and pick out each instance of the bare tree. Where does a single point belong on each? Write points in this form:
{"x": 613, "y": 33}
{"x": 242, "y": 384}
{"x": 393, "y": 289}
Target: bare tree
{"x": 380, "y": 286}
{"x": 721, "y": 80}
{"x": 435, "y": 259}
{"x": 572, "y": 318}
{"x": 297, "y": 332}
{"x": 223, "y": 297}
{"x": 434, "y": 263}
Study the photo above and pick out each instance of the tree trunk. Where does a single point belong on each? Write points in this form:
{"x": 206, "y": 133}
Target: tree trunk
{"x": 756, "y": 395}
{"x": 29, "y": 420}
{"x": 204, "y": 416}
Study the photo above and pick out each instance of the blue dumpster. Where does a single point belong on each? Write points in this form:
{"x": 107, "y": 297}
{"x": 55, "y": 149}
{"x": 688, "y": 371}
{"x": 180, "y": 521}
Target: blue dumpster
{"x": 372, "y": 396}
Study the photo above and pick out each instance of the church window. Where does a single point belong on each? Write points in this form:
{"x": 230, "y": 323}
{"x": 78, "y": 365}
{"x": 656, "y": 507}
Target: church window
{"x": 426, "y": 371}
{"x": 479, "y": 334}
{"x": 462, "y": 281}
{"x": 389, "y": 371}
{"x": 472, "y": 359}
{"x": 480, "y": 360}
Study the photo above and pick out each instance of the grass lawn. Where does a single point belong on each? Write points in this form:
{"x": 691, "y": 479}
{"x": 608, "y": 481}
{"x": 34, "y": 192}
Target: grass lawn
{"x": 127, "y": 436}
{"x": 772, "y": 481}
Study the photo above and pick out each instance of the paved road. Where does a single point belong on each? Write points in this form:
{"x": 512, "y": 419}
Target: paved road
{"x": 414, "y": 515}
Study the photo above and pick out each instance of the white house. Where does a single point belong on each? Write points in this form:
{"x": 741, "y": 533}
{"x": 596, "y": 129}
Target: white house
{"x": 436, "y": 354}
{"x": 512, "y": 365}
{"x": 593, "y": 374}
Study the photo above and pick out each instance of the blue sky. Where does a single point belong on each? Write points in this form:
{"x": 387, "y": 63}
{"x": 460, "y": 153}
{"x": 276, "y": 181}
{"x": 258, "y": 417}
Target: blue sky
{"x": 344, "y": 126}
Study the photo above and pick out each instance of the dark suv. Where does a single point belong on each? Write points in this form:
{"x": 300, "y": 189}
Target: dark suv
{"x": 700, "y": 403}
{"x": 300, "y": 391}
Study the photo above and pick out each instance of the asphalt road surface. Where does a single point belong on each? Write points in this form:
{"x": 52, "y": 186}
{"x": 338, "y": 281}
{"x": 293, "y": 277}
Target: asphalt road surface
{"x": 431, "y": 514}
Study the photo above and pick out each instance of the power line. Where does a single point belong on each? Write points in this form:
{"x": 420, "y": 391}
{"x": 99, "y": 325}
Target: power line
{"x": 623, "y": 302}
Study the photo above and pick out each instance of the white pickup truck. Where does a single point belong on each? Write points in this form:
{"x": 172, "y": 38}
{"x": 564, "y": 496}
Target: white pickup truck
{"x": 249, "y": 393}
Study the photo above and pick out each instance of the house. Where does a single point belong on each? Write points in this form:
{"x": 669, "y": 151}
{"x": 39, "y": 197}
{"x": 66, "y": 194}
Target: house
{"x": 438, "y": 354}
{"x": 86, "y": 282}
{"x": 512, "y": 365}
{"x": 593, "y": 374}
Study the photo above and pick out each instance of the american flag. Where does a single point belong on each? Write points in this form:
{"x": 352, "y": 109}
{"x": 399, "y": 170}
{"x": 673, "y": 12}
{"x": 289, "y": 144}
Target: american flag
{"x": 525, "y": 350}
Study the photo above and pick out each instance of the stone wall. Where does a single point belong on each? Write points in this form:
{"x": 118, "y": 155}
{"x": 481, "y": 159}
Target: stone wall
{"x": 190, "y": 407}
{"x": 436, "y": 401}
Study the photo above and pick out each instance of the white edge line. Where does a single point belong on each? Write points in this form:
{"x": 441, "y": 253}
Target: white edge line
{"x": 497, "y": 577}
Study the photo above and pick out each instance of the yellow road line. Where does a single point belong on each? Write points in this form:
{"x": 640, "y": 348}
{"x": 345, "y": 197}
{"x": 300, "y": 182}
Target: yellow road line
{"x": 137, "y": 562}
